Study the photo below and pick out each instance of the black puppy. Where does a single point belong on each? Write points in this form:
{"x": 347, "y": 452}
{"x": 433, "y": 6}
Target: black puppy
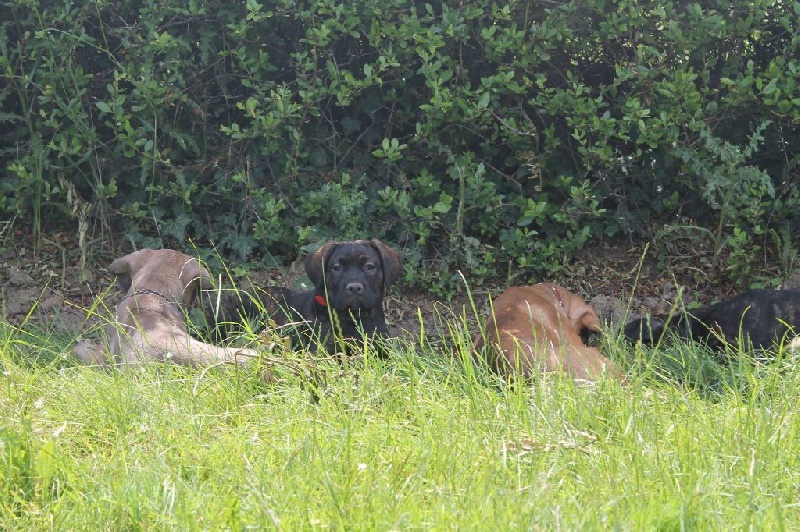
{"x": 350, "y": 279}
{"x": 760, "y": 318}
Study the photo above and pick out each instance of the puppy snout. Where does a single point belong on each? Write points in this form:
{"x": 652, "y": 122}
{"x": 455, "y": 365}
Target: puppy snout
{"x": 355, "y": 288}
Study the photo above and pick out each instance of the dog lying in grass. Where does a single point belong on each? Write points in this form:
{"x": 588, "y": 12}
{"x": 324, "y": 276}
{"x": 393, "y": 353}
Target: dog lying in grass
{"x": 350, "y": 279}
{"x": 149, "y": 322}
{"x": 538, "y": 328}
{"x": 758, "y": 318}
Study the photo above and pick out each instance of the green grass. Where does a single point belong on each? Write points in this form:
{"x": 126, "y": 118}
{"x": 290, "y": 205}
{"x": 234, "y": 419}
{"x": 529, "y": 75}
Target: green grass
{"x": 415, "y": 442}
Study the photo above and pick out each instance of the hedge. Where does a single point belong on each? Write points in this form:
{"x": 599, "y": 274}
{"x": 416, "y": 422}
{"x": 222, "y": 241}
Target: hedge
{"x": 478, "y": 136}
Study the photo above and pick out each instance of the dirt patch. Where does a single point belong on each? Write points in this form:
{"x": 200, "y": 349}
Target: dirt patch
{"x": 43, "y": 292}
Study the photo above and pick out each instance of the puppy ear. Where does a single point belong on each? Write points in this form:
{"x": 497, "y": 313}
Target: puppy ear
{"x": 392, "y": 261}
{"x": 590, "y": 320}
{"x": 123, "y": 268}
{"x": 195, "y": 278}
{"x": 314, "y": 263}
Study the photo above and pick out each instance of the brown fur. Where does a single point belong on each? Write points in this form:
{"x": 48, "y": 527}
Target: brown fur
{"x": 536, "y": 329}
{"x": 149, "y": 322}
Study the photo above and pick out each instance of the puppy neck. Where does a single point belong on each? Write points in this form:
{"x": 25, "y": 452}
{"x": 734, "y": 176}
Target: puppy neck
{"x": 555, "y": 292}
{"x": 147, "y": 291}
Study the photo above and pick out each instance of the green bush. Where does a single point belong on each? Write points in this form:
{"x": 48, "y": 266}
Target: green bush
{"x": 480, "y": 136}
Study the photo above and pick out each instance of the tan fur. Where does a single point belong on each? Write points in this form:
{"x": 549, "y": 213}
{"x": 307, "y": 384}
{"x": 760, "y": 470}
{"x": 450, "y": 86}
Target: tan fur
{"x": 537, "y": 329}
{"x": 149, "y": 326}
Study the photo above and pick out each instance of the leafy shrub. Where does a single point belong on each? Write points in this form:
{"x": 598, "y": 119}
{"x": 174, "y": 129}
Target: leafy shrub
{"x": 483, "y": 137}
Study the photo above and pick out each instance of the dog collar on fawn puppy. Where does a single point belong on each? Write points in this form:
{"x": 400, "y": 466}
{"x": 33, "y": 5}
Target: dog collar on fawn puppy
{"x": 321, "y": 300}
{"x": 146, "y": 291}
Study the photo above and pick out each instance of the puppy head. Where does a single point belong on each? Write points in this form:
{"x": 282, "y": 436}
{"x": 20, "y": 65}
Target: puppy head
{"x": 165, "y": 271}
{"x": 645, "y": 330}
{"x": 391, "y": 260}
{"x": 353, "y": 275}
{"x": 125, "y": 268}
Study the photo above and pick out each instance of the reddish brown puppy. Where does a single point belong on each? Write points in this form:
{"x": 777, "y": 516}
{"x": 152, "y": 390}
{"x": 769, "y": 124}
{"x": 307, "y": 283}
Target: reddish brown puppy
{"x": 535, "y": 329}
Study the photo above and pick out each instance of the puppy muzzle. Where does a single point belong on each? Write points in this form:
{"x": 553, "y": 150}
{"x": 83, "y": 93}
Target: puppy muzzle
{"x": 355, "y": 298}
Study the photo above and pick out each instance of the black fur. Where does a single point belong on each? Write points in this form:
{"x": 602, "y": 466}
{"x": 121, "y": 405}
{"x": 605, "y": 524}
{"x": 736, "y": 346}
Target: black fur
{"x": 350, "y": 279}
{"x": 761, "y": 318}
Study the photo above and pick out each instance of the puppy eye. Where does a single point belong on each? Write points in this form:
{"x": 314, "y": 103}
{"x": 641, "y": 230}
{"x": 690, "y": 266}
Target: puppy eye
{"x": 368, "y": 267}
{"x": 337, "y": 267}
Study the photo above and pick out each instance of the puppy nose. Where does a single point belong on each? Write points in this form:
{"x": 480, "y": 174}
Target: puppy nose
{"x": 355, "y": 288}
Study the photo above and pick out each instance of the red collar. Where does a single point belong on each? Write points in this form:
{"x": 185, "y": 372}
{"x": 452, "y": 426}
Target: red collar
{"x": 321, "y": 300}
{"x": 555, "y": 293}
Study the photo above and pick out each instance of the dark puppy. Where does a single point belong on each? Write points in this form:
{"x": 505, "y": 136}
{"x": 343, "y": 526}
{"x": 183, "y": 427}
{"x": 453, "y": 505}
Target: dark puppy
{"x": 350, "y": 279}
{"x": 761, "y": 318}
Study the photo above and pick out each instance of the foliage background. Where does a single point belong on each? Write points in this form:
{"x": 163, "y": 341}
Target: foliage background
{"x": 490, "y": 137}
